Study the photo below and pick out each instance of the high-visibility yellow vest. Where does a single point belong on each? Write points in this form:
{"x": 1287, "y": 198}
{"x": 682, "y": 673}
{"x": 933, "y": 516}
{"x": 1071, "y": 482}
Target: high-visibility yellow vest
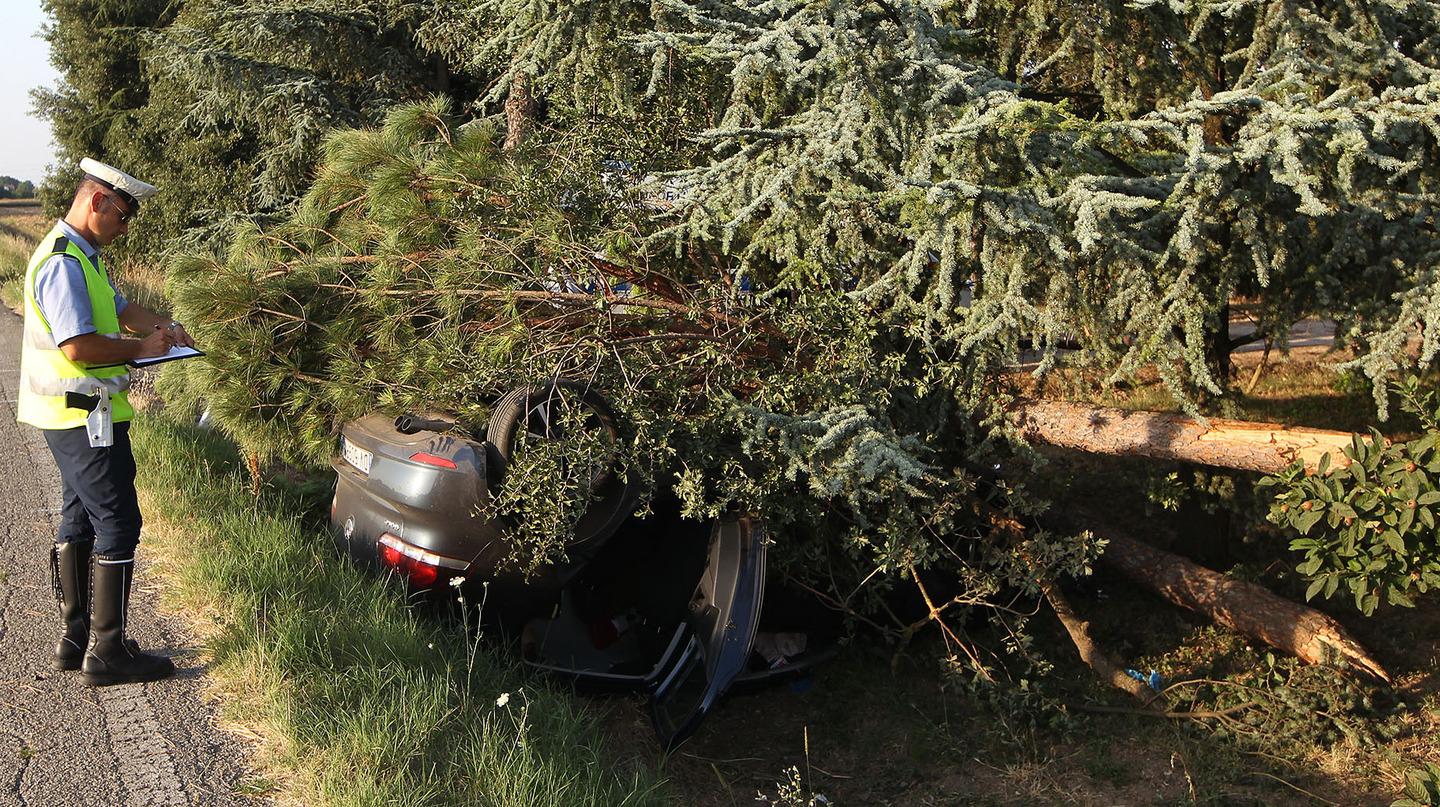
{"x": 45, "y": 373}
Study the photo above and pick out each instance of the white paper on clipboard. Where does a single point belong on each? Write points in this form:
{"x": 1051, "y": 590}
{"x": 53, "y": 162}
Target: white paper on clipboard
{"x": 176, "y": 352}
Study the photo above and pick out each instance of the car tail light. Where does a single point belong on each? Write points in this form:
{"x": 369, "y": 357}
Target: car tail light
{"x": 422, "y": 575}
{"x": 431, "y": 459}
{"x": 421, "y": 567}
{"x": 389, "y": 555}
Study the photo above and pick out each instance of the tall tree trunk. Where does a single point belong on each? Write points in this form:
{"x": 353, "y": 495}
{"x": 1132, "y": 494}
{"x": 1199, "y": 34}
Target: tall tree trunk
{"x": 519, "y": 110}
{"x": 1239, "y": 444}
{"x": 1217, "y": 352}
{"x": 1246, "y": 608}
{"x": 441, "y": 77}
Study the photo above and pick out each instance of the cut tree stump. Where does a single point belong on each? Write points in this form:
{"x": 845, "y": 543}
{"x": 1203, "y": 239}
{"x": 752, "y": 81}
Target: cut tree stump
{"x": 1246, "y": 608}
{"x": 1239, "y": 444}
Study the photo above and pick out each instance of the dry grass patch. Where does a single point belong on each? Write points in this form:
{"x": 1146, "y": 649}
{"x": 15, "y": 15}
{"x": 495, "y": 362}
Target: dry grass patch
{"x": 21, "y": 226}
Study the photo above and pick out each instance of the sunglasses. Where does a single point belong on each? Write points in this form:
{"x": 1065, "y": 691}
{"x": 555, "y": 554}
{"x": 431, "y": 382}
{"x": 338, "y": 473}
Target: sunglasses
{"x": 125, "y": 215}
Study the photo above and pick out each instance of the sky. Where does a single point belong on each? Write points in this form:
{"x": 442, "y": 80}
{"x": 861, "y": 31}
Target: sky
{"x": 25, "y": 147}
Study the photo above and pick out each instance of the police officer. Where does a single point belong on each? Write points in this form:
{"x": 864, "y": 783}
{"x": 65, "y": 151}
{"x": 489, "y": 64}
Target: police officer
{"x": 75, "y": 323}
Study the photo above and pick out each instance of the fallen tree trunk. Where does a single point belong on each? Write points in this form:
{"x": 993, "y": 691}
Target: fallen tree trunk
{"x": 1244, "y": 445}
{"x": 1246, "y": 608}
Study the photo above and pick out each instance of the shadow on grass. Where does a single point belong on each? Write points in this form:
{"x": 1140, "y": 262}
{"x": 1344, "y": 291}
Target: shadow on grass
{"x": 1353, "y": 412}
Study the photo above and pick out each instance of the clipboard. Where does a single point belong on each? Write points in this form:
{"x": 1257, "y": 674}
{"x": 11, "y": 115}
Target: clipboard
{"x": 174, "y": 354}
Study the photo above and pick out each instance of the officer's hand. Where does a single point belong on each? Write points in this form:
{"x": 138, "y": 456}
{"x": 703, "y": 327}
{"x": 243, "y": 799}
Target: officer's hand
{"x": 156, "y": 344}
{"x": 182, "y": 337}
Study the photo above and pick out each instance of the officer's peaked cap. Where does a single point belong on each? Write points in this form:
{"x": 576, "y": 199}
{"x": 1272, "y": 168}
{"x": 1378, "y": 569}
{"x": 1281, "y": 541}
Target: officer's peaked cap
{"x": 125, "y": 186}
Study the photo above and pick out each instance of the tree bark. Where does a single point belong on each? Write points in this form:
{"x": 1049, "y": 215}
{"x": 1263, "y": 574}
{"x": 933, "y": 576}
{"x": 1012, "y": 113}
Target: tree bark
{"x": 1090, "y": 653}
{"x": 1217, "y": 352}
{"x": 519, "y": 110}
{"x": 1239, "y": 444}
{"x": 1246, "y": 608}
{"x": 1259, "y": 368}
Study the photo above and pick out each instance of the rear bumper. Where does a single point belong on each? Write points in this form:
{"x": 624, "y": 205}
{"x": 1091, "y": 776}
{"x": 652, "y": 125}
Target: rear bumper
{"x": 360, "y": 515}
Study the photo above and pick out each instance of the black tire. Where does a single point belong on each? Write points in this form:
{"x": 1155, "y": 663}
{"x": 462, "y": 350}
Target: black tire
{"x": 520, "y": 405}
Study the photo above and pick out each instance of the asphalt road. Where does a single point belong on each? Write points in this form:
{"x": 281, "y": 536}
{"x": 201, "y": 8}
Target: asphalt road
{"x": 63, "y": 744}
{"x": 1305, "y": 333}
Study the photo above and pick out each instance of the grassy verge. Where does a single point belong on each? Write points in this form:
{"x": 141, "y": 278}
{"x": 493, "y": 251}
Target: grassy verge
{"x": 362, "y": 702}
{"x": 15, "y": 249}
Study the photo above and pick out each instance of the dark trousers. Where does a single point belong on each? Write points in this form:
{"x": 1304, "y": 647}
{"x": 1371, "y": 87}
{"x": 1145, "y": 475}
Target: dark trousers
{"x": 99, "y": 496}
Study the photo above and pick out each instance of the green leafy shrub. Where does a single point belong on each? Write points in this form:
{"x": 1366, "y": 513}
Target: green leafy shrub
{"x": 1422, "y": 787}
{"x": 1369, "y": 526}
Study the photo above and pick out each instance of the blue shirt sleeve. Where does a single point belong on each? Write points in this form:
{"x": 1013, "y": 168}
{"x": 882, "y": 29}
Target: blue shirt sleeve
{"x": 63, "y": 298}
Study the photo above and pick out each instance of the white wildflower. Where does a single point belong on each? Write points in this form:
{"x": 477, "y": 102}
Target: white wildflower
{"x": 502, "y": 700}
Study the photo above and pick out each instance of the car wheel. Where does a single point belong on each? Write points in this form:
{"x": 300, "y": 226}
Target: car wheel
{"x": 537, "y": 408}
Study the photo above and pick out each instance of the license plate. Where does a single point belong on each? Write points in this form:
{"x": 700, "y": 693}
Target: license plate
{"x": 356, "y": 456}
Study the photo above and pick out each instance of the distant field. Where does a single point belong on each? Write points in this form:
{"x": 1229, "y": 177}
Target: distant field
{"x": 21, "y": 225}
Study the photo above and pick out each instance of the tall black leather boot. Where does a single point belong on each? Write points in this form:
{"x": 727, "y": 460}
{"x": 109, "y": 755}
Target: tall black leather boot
{"x": 112, "y": 659}
{"x": 70, "y": 573}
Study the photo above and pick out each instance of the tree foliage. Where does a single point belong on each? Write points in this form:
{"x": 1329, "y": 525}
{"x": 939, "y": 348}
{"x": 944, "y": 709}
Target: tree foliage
{"x": 98, "y": 106}
{"x": 425, "y": 269}
{"x": 12, "y": 188}
{"x": 222, "y": 105}
{"x": 1256, "y": 151}
{"x": 801, "y": 243}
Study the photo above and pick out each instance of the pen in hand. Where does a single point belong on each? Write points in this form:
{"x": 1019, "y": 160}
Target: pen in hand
{"x": 176, "y": 332}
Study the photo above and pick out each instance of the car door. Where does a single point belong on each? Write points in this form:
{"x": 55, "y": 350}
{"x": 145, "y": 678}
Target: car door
{"x": 723, "y": 616}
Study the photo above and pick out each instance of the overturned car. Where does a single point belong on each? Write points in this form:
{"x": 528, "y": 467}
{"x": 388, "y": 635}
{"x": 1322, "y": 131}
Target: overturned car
{"x": 663, "y": 605}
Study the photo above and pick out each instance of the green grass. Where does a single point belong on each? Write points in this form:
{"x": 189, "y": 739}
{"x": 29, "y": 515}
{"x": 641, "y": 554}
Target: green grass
{"x": 1303, "y": 390}
{"x": 363, "y": 701}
